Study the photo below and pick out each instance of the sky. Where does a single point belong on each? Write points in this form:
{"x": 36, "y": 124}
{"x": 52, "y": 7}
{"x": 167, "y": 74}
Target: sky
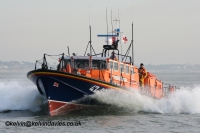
{"x": 165, "y": 31}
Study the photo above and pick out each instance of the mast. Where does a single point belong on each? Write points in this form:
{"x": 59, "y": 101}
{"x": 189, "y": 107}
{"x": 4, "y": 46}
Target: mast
{"x": 107, "y": 25}
{"x": 117, "y": 30}
{"x": 111, "y": 22}
{"x": 120, "y": 34}
{"x": 132, "y": 39}
{"x": 132, "y": 46}
{"x": 90, "y": 34}
{"x": 90, "y": 42}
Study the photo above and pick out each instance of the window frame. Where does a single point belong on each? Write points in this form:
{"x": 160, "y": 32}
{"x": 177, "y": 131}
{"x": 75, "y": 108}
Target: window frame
{"x": 99, "y": 65}
{"x": 121, "y": 64}
{"x": 132, "y": 70}
{"x": 115, "y": 67}
{"x": 75, "y": 64}
{"x": 111, "y": 62}
{"x": 127, "y": 66}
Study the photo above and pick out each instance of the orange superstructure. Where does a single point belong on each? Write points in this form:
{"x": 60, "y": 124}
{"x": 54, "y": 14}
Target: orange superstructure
{"x": 77, "y": 77}
{"x": 119, "y": 73}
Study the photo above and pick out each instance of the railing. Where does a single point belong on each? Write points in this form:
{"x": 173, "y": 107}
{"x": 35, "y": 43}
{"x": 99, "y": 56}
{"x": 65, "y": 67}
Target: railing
{"x": 44, "y": 63}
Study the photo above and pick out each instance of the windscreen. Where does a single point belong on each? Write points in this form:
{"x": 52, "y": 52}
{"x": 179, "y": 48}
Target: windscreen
{"x": 99, "y": 64}
{"x": 81, "y": 63}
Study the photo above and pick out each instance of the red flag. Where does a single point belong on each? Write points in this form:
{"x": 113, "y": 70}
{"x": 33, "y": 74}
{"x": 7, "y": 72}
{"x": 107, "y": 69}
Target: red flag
{"x": 56, "y": 84}
{"x": 125, "y": 39}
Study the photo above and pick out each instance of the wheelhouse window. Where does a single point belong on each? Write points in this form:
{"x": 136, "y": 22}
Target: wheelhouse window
{"x": 127, "y": 69}
{"x": 121, "y": 67}
{"x": 81, "y": 63}
{"x": 111, "y": 65}
{"x": 115, "y": 66}
{"x": 132, "y": 70}
{"x": 99, "y": 64}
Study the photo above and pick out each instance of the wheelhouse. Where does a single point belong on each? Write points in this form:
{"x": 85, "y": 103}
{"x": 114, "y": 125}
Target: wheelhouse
{"x": 87, "y": 62}
{"x": 80, "y": 62}
{"x": 99, "y": 63}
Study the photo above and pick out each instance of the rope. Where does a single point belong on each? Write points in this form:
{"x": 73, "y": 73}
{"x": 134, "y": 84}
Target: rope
{"x": 53, "y": 58}
{"x": 39, "y": 62}
{"x": 53, "y": 55}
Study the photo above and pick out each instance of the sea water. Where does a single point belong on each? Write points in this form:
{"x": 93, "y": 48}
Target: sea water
{"x": 20, "y": 101}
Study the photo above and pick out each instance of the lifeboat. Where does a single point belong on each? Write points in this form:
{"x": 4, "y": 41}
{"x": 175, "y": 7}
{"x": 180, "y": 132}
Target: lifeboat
{"x": 80, "y": 76}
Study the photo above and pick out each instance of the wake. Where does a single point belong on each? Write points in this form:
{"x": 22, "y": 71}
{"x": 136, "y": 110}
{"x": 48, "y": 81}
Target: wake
{"x": 184, "y": 100}
{"x": 14, "y": 96}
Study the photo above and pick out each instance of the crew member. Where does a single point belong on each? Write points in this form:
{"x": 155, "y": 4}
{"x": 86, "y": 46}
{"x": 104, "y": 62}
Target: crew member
{"x": 113, "y": 40}
{"x": 113, "y": 56}
{"x": 142, "y": 75}
{"x": 58, "y": 66}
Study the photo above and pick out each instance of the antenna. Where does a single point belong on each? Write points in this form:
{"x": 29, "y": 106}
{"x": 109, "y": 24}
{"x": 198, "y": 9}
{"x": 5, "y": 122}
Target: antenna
{"x": 132, "y": 12}
{"x": 117, "y": 20}
{"x": 90, "y": 33}
{"x": 107, "y": 25}
{"x": 90, "y": 42}
{"x": 132, "y": 46}
{"x": 89, "y": 15}
{"x": 132, "y": 39}
{"x": 68, "y": 50}
{"x": 120, "y": 36}
{"x": 111, "y": 22}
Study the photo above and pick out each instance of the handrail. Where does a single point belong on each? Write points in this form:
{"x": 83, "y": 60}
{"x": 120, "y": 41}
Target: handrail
{"x": 44, "y": 63}
{"x": 37, "y": 61}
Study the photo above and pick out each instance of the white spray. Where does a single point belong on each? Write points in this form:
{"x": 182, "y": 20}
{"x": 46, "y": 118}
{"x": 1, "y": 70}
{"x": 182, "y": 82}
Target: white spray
{"x": 14, "y": 96}
{"x": 185, "y": 100}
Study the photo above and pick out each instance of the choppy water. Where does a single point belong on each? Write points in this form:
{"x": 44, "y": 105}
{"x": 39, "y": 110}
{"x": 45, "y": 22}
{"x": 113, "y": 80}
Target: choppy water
{"x": 20, "y": 101}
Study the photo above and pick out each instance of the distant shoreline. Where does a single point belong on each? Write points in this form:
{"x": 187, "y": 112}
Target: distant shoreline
{"x": 27, "y": 66}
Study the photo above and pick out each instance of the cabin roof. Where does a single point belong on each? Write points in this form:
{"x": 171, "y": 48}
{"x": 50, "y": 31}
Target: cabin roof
{"x": 81, "y": 57}
{"x": 88, "y": 57}
{"x": 99, "y": 58}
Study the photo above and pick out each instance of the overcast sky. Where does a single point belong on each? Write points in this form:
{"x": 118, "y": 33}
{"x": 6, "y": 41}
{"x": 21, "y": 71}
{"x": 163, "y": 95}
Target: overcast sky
{"x": 165, "y": 31}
